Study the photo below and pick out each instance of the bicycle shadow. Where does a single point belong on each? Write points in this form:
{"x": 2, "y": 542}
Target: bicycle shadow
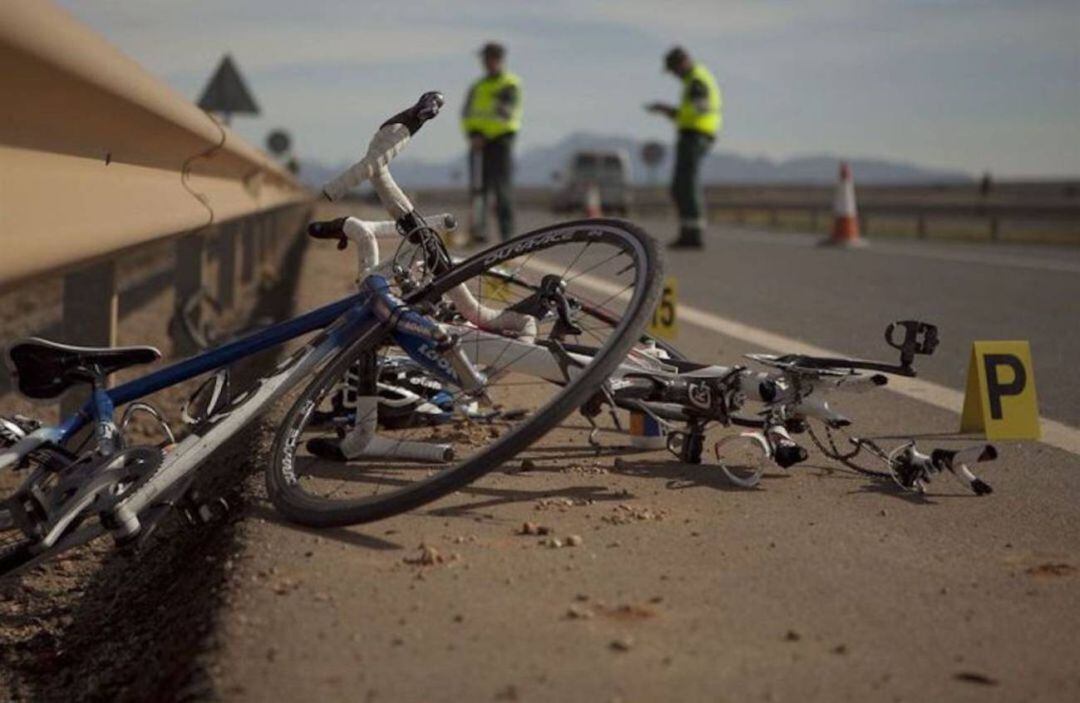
{"x": 262, "y": 509}
{"x": 681, "y": 476}
{"x": 555, "y": 454}
{"x": 492, "y": 497}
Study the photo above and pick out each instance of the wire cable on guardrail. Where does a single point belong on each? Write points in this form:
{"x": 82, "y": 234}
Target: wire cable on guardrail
{"x": 184, "y": 315}
{"x": 185, "y": 171}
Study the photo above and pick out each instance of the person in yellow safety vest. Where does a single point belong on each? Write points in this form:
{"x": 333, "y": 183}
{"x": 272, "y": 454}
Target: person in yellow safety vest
{"x": 491, "y": 118}
{"x": 698, "y": 119}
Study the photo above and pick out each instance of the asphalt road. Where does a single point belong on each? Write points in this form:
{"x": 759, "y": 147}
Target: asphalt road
{"x": 843, "y": 299}
{"x": 820, "y": 585}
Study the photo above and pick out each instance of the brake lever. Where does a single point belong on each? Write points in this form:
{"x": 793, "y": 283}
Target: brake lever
{"x": 913, "y": 470}
{"x": 956, "y": 461}
{"x": 550, "y": 296}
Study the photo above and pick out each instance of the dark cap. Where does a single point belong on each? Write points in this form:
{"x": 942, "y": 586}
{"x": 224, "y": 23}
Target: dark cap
{"x": 675, "y": 56}
{"x": 493, "y": 49}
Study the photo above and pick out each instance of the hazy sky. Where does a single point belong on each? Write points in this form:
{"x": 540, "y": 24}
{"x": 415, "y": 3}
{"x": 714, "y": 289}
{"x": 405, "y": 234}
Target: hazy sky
{"x": 970, "y": 84}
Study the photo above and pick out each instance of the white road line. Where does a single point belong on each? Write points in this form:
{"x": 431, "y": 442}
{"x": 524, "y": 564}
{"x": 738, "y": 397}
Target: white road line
{"x": 1056, "y": 434}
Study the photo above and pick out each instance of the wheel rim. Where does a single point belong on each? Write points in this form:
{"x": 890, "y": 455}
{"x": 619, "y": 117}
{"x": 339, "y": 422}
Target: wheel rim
{"x": 602, "y": 268}
{"x": 742, "y": 458}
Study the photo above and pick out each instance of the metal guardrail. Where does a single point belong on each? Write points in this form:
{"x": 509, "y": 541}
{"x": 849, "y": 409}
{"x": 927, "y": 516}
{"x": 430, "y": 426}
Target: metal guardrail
{"x": 97, "y": 155}
{"x": 99, "y": 158}
{"x": 993, "y": 214}
{"x": 1044, "y": 203}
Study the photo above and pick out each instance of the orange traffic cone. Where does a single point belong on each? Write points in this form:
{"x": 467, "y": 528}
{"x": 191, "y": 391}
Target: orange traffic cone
{"x": 593, "y": 205}
{"x": 845, "y": 230}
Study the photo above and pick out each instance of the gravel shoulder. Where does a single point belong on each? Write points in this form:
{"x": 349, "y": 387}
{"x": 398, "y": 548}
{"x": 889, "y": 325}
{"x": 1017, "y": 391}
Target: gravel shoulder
{"x": 667, "y": 583}
{"x": 100, "y": 623}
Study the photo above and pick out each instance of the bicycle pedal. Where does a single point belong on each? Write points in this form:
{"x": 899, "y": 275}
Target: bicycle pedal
{"x": 198, "y": 511}
{"x": 207, "y": 512}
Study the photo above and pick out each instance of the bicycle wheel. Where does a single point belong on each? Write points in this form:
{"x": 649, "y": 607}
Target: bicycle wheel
{"x": 14, "y": 545}
{"x": 532, "y": 385}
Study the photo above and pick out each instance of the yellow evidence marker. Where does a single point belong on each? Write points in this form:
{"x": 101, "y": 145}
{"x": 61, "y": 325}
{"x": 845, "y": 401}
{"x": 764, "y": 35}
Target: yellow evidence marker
{"x": 1000, "y": 395}
{"x": 496, "y": 289}
{"x": 665, "y": 319}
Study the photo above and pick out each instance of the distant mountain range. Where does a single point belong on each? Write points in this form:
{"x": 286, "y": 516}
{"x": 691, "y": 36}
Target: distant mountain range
{"x": 535, "y": 166}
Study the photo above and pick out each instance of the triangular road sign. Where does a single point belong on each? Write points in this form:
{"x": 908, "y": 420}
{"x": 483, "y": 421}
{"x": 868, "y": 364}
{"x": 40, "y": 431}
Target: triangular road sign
{"x": 226, "y": 92}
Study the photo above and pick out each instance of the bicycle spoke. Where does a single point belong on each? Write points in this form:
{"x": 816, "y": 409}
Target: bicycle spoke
{"x": 469, "y": 423}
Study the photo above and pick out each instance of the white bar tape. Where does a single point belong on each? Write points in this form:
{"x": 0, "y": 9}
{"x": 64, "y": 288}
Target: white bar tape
{"x": 395, "y": 202}
{"x": 363, "y": 235}
{"x": 359, "y": 230}
{"x": 522, "y": 326}
{"x": 363, "y": 440}
{"x": 384, "y": 146}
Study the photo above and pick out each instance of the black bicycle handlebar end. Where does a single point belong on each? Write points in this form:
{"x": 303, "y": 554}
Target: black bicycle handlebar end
{"x": 329, "y": 229}
{"x": 426, "y": 108}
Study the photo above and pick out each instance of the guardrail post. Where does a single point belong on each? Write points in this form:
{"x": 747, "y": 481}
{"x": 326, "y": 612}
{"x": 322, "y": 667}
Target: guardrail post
{"x": 187, "y": 282}
{"x": 258, "y": 225}
{"x": 226, "y": 287}
{"x": 920, "y": 226}
{"x": 774, "y": 217}
{"x": 247, "y": 252}
{"x": 813, "y": 219}
{"x": 269, "y": 245}
{"x": 864, "y": 224}
{"x": 995, "y": 228}
{"x": 89, "y": 315}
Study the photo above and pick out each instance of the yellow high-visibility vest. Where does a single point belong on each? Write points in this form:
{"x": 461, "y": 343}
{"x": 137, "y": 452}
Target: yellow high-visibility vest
{"x": 688, "y": 115}
{"x": 482, "y": 114}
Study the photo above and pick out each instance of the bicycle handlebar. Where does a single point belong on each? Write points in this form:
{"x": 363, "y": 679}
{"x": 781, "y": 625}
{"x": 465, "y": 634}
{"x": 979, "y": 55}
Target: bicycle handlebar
{"x": 389, "y": 140}
{"x": 342, "y": 229}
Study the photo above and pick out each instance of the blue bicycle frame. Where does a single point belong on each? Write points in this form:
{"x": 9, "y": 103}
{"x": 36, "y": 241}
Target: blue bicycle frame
{"x": 357, "y": 314}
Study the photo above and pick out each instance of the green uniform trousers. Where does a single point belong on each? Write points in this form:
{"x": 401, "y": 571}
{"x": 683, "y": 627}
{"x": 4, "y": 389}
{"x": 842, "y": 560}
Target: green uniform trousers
{"x": 686, "y": 188}
{"x": 498, "y": 173}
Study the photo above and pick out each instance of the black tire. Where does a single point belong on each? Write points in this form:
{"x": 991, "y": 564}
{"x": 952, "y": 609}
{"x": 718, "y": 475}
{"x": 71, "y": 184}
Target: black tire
{"x": 303, "y": 508}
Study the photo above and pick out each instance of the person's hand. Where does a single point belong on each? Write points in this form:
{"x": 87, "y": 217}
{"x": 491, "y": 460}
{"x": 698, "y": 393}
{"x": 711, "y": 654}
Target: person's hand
{"x": 476, "y": 142}
{"x": 660, "y": 108}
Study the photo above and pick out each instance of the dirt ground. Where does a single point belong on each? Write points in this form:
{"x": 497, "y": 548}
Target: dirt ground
{"x": 669, "y": 584}
{"x": 623, "y": 576}
{"x": 107, "y": 624}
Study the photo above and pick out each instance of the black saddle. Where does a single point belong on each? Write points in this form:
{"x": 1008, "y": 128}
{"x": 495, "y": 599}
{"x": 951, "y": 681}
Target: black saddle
{"x": 44, "y": 369}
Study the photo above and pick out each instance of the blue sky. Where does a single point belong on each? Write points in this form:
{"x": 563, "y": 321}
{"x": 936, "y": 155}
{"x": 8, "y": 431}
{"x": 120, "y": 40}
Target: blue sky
{"x": 969, "y": 84}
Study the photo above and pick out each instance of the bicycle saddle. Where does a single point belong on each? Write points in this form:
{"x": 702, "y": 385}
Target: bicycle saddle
{"x": 44, "y": 369}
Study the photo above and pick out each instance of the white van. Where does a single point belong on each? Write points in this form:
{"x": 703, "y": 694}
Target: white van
{"x": 609, "y": 170}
